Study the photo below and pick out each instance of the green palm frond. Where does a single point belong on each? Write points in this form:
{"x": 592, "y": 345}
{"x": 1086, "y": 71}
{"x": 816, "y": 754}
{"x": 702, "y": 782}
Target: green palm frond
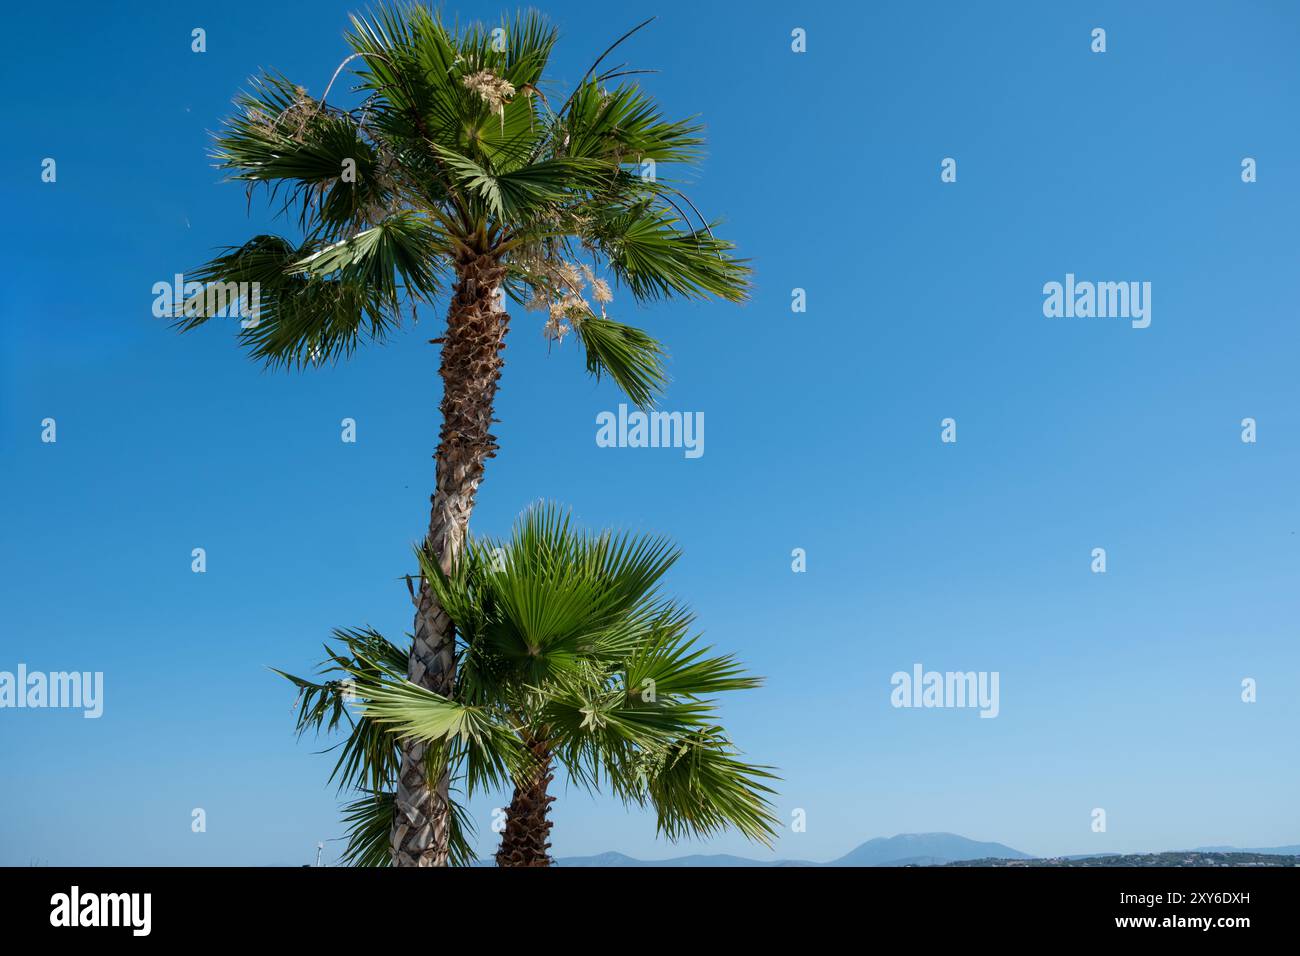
{"x": 558, "y": 595}
{"x": 624, "y": 125}
{"x": 280, "y": 137}
{"x": 600, "y": 721}
{"x": 699, "y": 786}
{"x": 656, "y": 257}
{"x": 629, "y": 356}
{"x": 399, "y": 254}
{"x": 476, "y": 738}
{"x": 369, "y": 822}
{"x": 523, "y": 194}
{"x": 366, "y": 663}
{"x": 368, "y": 757}
{"x": 670, "y": 664}
{"x": 298, "y": 320}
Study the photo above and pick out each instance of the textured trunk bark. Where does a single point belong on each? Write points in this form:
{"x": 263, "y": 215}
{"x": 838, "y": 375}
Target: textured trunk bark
{"x": 470, "y": 368}
{"x": 524, "y": 842}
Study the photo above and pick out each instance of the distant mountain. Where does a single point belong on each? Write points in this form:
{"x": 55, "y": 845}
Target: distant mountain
{"x": 906, "y": 849}
{"x": 913, "y": 849}
{"x": 925, "y": 849}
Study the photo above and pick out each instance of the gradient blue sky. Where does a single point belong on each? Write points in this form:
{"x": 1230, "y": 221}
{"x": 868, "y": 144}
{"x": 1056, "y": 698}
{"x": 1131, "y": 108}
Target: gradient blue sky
{"x": 1119, "y": 691}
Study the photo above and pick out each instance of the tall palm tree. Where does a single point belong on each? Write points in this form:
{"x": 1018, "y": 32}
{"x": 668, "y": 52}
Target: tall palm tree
{"x": 457, "y": 171}
{"x": 568, "y": 658}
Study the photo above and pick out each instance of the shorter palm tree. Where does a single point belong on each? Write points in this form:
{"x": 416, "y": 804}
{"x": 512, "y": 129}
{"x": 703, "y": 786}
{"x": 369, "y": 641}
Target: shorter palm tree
{"x": 569, "y": 658}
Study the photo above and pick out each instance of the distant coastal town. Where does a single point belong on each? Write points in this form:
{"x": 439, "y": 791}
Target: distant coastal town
{"x": 1147, "y": 859}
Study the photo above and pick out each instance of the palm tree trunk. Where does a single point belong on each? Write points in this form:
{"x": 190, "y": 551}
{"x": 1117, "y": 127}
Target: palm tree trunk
{"x": 524, "y": 842}
{"x": 470, "y": 369}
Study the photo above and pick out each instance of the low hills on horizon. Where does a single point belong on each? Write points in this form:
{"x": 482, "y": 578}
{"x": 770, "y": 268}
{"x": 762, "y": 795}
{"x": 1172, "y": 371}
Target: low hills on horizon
{"x": 905, "y": 849}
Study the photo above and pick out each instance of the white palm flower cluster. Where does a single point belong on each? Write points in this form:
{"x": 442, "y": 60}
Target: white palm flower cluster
{"x": 561, "y": 291}
{"x": 292, "y": 120}
{"x": 492, "y": 89}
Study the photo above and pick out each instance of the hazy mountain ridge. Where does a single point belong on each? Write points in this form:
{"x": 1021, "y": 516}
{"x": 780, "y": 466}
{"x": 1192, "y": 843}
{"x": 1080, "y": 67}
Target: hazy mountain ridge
{"x": 905, "y": 849}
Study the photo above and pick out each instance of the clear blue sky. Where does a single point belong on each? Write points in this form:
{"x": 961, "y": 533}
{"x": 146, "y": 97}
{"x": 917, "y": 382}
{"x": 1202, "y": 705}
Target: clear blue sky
{"x": 925, "y": 299}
